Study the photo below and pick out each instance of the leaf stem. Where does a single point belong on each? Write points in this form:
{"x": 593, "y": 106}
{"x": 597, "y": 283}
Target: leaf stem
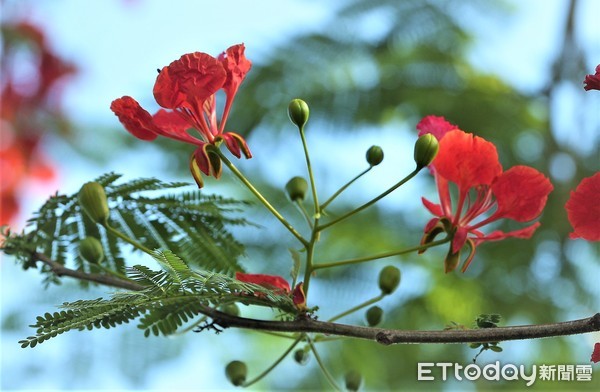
{"x": 357, "y": 307}
{"x": 381, "y": 255}
{"x": 371, "y": 202}
{"x": 310, "y": 173}
{"x": 260, "y": 197}
{"x": 125, "y": 238}
{"x": 342, "y": 189}
{"x": 328, "y": 375}
{"x": 277, "y": 362}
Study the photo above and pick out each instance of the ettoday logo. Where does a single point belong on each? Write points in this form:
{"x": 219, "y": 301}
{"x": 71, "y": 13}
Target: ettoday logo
{"x": 492, "y": 372}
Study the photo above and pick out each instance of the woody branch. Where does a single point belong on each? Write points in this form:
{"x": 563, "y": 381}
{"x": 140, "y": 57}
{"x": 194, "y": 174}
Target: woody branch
{"x": 380, "y": 335}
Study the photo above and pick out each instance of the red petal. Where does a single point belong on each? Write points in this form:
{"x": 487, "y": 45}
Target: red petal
{"x": 592, "y": 82}
{"x": 299, "y": 297}
{"x": 236, "y": 65}
{"x": 436, "y": 125}
{"x": 521, "y": 193}
{"x": 268, "y": 281}
{"x": 189, "y": 81}
{"x": 435, "y": 209}
{"x": 174, "y": 126}
{"x": 459, "y": 239}
{"x": 236, "y": 144}
{"x": 467, "y": 160}
{"x": 583, "y": 209}
{"x": 498, "y": 235}
{"x": 596, "y": 354}
{"x": 135, "y": 119}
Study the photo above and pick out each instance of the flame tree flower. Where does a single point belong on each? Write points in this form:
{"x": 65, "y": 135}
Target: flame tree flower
{"x": 277, "y": 284}
{"x": 486, "y": 193}
{"x": 592, "y": 82}
{"x": 583, "y": 209}
{"x": 187, "y": 88}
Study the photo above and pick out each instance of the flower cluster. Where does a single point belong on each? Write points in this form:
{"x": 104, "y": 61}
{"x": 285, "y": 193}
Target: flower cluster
{"x": 486, "y": 193}
{"x": 187, "y": 88}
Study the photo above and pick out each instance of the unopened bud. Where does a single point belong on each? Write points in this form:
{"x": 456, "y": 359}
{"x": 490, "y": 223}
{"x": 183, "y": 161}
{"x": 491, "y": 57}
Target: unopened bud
{"x": 389, "y": 279}
{"x": 298, "y": 112}
{"x": 236, "y": 372}
{"x": 301, "y": 356}
{"x": 426, "y": 148}
{"x": 92, "y": 199}
{"x": 296, "y": 188}
{"x": 230, "y": 309}
{"x": 91, "y": 250}
{"x": 374, "y": 316}
{"x": 353, "y": 380}
{"x": 374, "y": 155}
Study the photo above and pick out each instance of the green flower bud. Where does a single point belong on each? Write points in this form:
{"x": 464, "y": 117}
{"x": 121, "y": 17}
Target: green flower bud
{"x": 230, "y": 309}
{"x": 374, "y": 316}
{"x": 92, "y": 199}
{"x": 236, "y": 372}
{"x": 298, "y": 112}
{"x": 353, "y": 380}
{"x": 301, "y": 356}
{"x": 426, "y": 148}
{"x": 374, "y": 155}
{"x": 389, "y": 279}
{"x": 296, "y": 188}
{"x": 91, "y": 250}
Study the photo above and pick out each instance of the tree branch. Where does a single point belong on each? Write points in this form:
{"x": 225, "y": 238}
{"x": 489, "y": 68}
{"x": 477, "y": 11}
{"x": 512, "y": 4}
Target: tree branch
{"x": 380, "y": 335}
{"x": 106, "y": 280}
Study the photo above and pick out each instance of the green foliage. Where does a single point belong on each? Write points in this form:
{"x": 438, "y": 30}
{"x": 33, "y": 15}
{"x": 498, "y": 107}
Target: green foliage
{"x": 166, "y": 301}
{"x": 191, "y": 224}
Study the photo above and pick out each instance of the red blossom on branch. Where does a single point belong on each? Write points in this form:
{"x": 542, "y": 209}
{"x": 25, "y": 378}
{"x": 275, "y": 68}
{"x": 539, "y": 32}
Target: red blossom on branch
{"x": 596, "y": 353}
{"x": 276, "y": 283}
{"x": 583, "y": 209}
{"x": 187, "y": 88}
{"x": 592, "y": 82}
{"x": 486, "y": 193}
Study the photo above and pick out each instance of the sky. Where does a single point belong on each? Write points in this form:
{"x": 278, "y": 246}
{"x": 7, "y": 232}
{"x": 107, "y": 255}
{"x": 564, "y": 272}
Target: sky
{"x": 119, "y": 44}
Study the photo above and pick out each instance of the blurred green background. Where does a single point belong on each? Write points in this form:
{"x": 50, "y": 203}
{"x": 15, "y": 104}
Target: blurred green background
{"x": 370, "y": 70}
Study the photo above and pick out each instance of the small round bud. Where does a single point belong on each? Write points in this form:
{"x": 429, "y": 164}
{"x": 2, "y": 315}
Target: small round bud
{"x": 230, "y": 309}
{"x": 374, "y": 155}
{"x": 92, "y": 200}
{"x": 301, "y": 356}
{"x": 296, "y": 188}
{"x": 353, "y": 380}
{"x": 236, "y": 372}
{"x": 91, "y": 250}
{"x": 389, "y": 279}
{"x": 426, "y": 148}
{"x": 298, "y": 112}
{"x": 374, "y": 316}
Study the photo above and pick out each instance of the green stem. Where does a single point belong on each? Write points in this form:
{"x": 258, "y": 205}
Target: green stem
{"x": 310, "y": 174}
{"x": 322, "y": 366}
{"x": 277, "y": 362}
{"x": 381, "y": 255}
{"x": 370, "y": 203}
{"x": 300, "y": 206}
{"x": 111, "y": 272}
{"x": 122, "y": 236}
{"x": 310, "y": 251}
{"x": 260, "y": 197}
{"x": 357, "y": 307}
{"x": 342, "y": 189}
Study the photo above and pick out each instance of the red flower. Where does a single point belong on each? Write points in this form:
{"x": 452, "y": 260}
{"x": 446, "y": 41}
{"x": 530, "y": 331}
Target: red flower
{"x": 277, "y": 284}
{"x": 583, "y": 209}
{"x": 188, "y": 87}
{"x": 596, "y": 353}
{"x": 592, "y": 82}
{"x": 486, "y": 193}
